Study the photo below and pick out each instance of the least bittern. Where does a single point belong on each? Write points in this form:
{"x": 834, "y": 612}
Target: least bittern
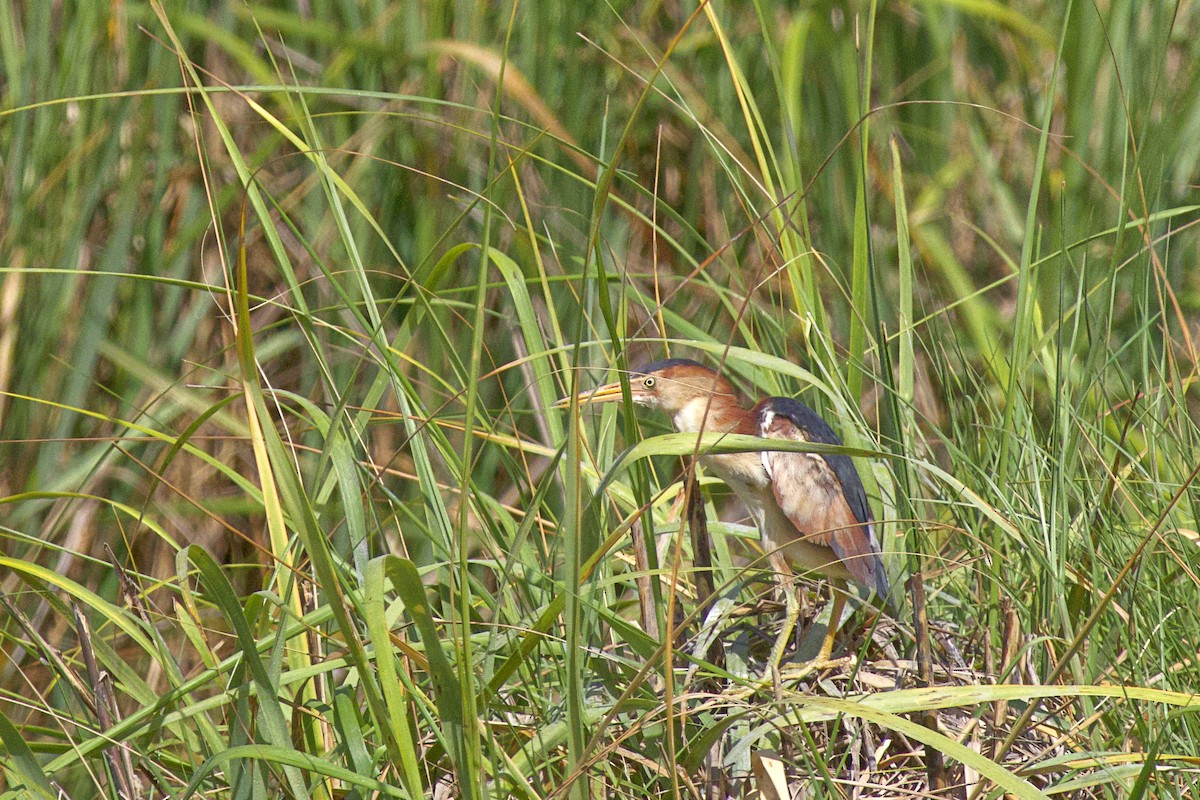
{"x": 811, "y": 509}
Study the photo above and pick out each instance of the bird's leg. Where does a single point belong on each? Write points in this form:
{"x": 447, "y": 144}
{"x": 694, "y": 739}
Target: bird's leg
{"x": 837, "y": 606}
{"x": 787, "y": 585}
{"x": 823, "y": 659}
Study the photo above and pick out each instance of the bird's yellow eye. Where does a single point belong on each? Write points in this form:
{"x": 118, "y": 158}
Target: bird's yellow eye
{"x": 648, "y": 383}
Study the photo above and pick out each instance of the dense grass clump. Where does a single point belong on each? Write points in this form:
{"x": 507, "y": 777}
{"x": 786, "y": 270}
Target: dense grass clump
{"x": 289, "y": 292}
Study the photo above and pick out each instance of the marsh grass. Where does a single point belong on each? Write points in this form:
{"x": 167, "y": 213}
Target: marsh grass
{"x": 288, "y": 298}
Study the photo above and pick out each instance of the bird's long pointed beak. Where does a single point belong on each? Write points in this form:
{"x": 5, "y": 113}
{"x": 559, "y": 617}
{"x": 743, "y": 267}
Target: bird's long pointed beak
{"x": 607, "y": 393}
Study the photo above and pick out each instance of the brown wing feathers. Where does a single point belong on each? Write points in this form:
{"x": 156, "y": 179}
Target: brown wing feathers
{"x": 821, "y": 494}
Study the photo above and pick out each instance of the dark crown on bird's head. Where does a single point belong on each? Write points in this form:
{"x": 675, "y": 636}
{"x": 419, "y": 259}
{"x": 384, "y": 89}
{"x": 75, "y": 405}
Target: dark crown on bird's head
{"x": 665, "y": 364}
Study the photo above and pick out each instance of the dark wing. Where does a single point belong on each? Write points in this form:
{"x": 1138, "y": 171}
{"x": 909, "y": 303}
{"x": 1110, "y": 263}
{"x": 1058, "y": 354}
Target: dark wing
{"x": 821, "y": 494}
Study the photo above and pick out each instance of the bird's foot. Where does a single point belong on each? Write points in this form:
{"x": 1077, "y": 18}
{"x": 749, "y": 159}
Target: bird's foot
{"x": 796, "y": 672}
{"x": 776, "y": 675}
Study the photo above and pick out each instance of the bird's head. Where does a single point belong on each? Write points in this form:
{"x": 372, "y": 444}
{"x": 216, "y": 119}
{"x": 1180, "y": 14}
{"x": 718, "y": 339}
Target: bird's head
{"x": 672, "y": 386}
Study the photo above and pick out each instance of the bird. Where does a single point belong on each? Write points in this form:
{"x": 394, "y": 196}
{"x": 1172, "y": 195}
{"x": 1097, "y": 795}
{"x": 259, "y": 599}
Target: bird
{"x": 811, "y": 509}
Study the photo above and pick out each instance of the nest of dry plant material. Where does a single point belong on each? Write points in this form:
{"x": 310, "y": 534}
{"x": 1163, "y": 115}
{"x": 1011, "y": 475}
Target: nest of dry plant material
{"x": 815, "y": 738}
